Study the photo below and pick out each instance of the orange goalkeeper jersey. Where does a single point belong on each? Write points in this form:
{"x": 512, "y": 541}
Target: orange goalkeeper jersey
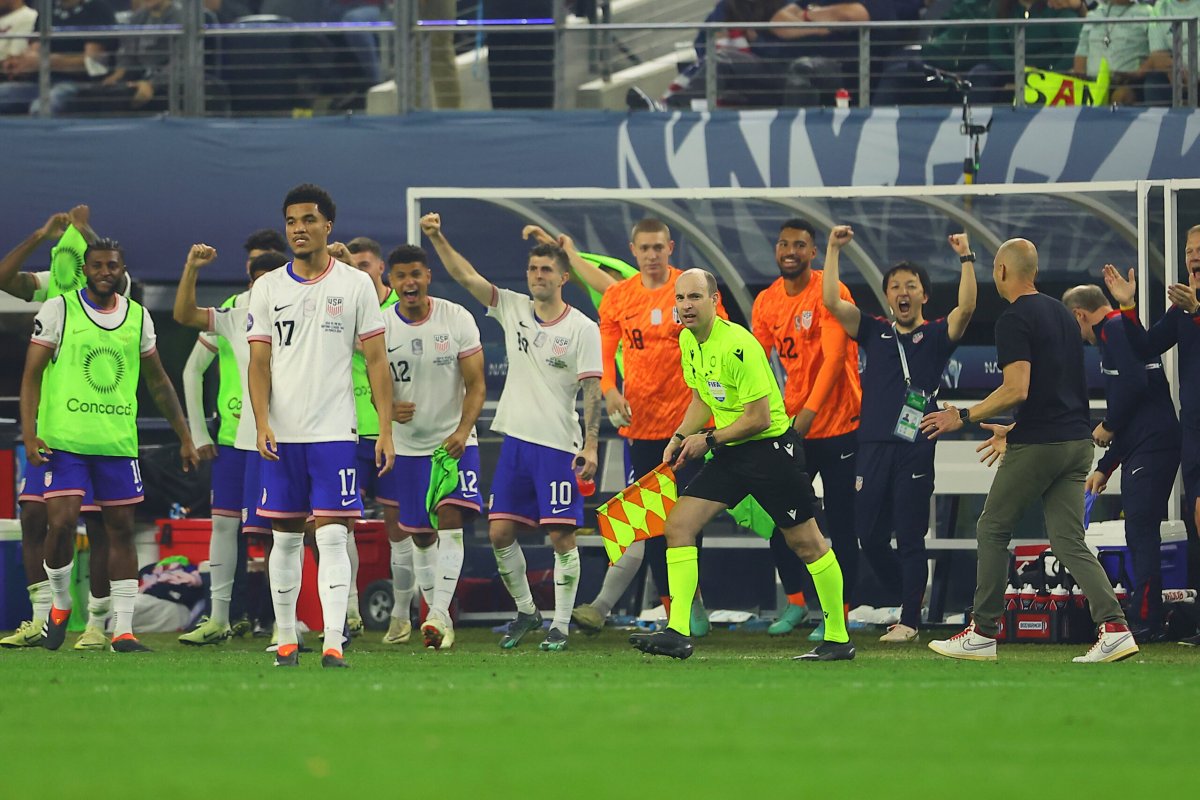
{"x": 820, "y": 360}
{"x": 643, "y": 322}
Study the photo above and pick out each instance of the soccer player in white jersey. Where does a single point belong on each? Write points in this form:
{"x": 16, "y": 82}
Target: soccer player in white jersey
{"x": 303, "y": 324}
{"x": 436, "y": 361}
{"x": 236, "y": 472}
{"x": 553, "y": 350}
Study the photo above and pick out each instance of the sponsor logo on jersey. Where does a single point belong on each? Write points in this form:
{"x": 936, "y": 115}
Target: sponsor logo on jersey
{"x": 540, "y": 339}
{"x": 418, "y": 347}
{"x": 441, "y": 342}
{"x": 717, "y": 391}
{"x": 77, "y": 406}
{"x": 560, "y": 345}
{"x": 249, "y": 321}
{"x": 37, "y": 327}
{"x": 333, "y": 306}
{"x": 656, "y": 316}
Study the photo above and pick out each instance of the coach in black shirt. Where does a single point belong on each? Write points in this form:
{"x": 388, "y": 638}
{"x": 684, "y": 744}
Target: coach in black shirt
{"x": 1047, "y": 453}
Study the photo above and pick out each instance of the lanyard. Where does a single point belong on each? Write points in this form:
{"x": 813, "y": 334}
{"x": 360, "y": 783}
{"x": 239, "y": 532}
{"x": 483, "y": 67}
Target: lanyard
{"x": 903, "y": 358}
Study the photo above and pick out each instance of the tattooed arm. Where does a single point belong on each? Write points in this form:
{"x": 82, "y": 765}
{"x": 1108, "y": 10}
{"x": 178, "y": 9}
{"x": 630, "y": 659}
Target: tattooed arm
{"x": 593, "y": 409}
{"x": 167, "y": 402}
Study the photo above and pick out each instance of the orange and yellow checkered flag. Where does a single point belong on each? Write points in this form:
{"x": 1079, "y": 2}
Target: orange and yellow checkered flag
{"x": 638, "y": 512}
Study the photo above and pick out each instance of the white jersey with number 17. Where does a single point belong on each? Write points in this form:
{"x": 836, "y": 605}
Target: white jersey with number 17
{"x": 312, "y": 327}
{"x": 546, "y": 362}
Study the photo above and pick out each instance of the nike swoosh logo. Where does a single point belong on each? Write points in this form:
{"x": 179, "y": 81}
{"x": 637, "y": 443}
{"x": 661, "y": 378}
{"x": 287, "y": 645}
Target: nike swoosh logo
{"x": 281, "y": 308}
{"x": 282, "y": 591}
{"x": 885, "y": 336}
{"x": 969, "y": 646}
{"x": 919, "y": 476}
{"x": 1136, "y": 471}
{"x": 522, "y": 324}
{"x": 338, "y": 586}
{"x": 77, "y": 332}
{"x": 556, "y": 511}
{"x": 394, "y": 349}
{"x": 844, "y": 456}
{"x": 630, "y": 316}
{"x": 348, "y": 502}
{"x": 1106, "y": 649}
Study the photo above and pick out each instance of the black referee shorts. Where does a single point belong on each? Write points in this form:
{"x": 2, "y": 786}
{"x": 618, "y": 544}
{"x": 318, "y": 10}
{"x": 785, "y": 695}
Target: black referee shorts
{"x": 771, "y": 470}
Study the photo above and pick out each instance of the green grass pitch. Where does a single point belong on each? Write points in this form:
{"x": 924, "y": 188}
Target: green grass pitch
{"x": 738, "y": 720}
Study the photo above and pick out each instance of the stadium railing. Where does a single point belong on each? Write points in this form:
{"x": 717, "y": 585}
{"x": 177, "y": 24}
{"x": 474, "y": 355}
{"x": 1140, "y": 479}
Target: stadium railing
{"x": 271, "y": 66}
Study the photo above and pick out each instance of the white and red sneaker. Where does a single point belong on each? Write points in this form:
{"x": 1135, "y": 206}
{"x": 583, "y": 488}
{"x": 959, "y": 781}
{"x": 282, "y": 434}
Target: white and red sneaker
{"x": 968, "y": 646}
{"x": 1115, "y": 643}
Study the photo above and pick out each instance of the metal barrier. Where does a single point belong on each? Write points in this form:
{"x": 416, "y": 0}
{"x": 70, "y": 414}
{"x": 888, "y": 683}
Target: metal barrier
{"x": 269, "y": 66}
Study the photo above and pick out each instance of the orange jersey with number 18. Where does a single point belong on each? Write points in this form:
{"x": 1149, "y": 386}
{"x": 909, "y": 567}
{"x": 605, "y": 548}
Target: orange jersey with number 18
{"x": 643, "y": 321}
{"x": 803, "y": 333}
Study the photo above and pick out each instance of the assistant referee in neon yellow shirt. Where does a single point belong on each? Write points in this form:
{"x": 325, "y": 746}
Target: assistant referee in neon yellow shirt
{"x": 755, "y": 452}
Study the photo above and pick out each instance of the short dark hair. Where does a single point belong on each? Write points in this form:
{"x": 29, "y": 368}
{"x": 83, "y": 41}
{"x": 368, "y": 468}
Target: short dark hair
{"x": 311, "y": 193}
{"x": 266, "y": 262}
{"x": 798, "y": 224}
{"x": 908, "y": 266}
{"x": 104, "y": 244}
{"x": 361, "y": 244}
{"x": 547, "y": 250}
{"x": 408, "y": 254}
{"x": 265, "y": 239}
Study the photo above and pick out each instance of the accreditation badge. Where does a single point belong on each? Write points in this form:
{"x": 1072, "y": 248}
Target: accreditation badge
{"x": 911, "y": 413}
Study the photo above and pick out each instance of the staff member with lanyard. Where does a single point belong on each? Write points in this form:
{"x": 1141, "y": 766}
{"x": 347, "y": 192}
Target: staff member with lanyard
{"x": 904, "y": 364}
{"x": 1047, "y": 454}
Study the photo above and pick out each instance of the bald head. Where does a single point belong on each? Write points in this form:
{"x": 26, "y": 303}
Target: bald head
{"x": 696, "y": 279}
{"x": 696, "y": 301}
{"x": 1088, "y": 297}
{"x": 1020, "y": 256}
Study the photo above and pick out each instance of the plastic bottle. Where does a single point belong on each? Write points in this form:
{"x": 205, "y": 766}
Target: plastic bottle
{"x": 842, "y": 98}
{"x": 1011, "y": 598}
{"x": 1078, "y": 598}
{"x": 1121, "y": 592}
{"x": 1027, "y": 595}
{"x": 586, "y": 488}
{"x": 1059, "y": 598}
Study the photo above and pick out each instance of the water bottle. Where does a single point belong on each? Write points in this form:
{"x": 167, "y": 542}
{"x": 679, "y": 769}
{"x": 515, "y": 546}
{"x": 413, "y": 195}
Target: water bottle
{"x": 177, "y": 511}
{"x": 1027, "y": 594}
{"x": 1058, "y": 598}
{"x": 586, "y": 488}
{"x": 1011, "y": 598}
{"x": 1121, "y": 592}
{"x": 841, "y": 98}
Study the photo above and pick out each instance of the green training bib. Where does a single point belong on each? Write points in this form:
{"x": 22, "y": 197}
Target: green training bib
{"x": 229, "y": 387}
{"x": 89, "y": 390}
{"x": 368, "y": 420}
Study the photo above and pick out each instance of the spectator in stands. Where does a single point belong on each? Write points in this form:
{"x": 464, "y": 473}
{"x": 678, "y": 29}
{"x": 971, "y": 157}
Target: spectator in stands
{"x": 1142, "y": 435}
{"x": 1050, "y": 47}
{"x": 953, "y": 50}
{"x": 73, "y": 62}
{"x": 15, "y": 18}
{"x": 1126, "y": 47}
{"x": 1162, "y": 36}
{"x": 227, "y": 11}
{"x": 141, "y": 80}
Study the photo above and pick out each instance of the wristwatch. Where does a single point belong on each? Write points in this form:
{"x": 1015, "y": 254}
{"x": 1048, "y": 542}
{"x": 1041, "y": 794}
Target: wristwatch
{"x": 710, "y": 439}
{"x": 964, "y": 415}
{"x": 968, "y": 257}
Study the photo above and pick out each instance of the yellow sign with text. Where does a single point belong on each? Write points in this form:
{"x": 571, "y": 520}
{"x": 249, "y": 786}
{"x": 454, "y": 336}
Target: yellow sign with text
{"x": 1045, "y": 88}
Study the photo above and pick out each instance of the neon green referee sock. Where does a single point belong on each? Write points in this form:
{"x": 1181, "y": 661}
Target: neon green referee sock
{"x": 827, "y": 577}
{"x": 683, "y": 575}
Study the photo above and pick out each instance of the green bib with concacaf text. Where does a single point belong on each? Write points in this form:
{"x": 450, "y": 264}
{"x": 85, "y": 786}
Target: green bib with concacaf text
{"x": 229, "y": 387}
{"x": 89, "y": 390}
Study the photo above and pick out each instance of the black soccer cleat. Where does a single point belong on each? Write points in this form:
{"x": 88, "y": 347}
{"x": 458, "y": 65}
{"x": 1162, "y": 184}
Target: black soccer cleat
{"x": 55, "y": 633}
{"x": 664, "y": 643}
{"x": 331, "y": 659}
{"x": 292, "y": 659}
{"x": 829, "y": 651}
{"x": 128, "y": 644}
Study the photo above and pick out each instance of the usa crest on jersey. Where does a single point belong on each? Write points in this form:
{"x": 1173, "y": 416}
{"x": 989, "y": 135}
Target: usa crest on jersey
{"x": 441, "y": 342}
{"x": 560, "y": 345}
{"x": 333, "y": 306}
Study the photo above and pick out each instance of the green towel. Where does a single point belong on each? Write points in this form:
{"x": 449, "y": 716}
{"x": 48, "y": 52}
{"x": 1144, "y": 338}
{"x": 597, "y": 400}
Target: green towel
{"x": 749, "y": 514}
{"x": 443, "y": 480}
{"x": 66, "y": 263}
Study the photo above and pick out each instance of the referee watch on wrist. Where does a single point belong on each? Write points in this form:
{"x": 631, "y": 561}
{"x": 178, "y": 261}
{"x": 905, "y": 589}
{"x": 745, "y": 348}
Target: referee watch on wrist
{"x": 964, "y": 415}
{"x": 968, "y": 257}
{"x": 679, "y": 436}
{"x": 710, "y": 439}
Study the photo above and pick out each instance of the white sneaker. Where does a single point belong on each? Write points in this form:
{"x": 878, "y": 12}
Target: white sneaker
{"x": 899, "y": 633}
{"x": 968, "y": 645}
{"x": 1114, "y": 644}
{"x": 438, "y": 634}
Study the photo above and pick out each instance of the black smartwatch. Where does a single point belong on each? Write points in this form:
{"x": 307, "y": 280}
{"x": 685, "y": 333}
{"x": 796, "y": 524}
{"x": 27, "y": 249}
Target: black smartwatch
{"x": 964, "y": 414}
{"x": 710, "y": 439}
{"x": 968, "y": 257}
{"x": 679, "y": 436}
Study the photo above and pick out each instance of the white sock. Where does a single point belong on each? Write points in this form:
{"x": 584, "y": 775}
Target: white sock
{"x": 59, "y": 579}
{"x": 403, "y": 585}
{"x": 619, "y": 576}
{"x": 124, "y": 597}
{"x": 222, "y": 564}
{"x": 285, "y": 568}
{"x": 424, "y": 563}
{"x": 98, "y": 610}
{"x": 566, "y": 583}
{"x": 449, "y": 567}
{"x": 39, "y": 598}
{"x": 333, "y": 581}
{"x": 352, "y": 593}
{"x": 510, "y": 562}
